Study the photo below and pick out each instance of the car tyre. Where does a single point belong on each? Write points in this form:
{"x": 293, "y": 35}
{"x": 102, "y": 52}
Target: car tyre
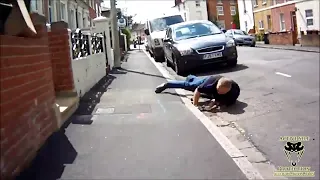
{"x": 233, "y": 63}
{"x": 253, "y": 45}
{"x": 159, "y": 58}
{"x": 179, "y": 70}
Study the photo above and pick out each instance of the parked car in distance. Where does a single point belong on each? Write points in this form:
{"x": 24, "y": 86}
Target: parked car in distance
{"x": 192, "y": 44}
{"x": 241, "y": 37}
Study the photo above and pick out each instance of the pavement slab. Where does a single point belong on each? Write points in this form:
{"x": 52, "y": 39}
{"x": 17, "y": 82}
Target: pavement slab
{"x": 123, "y": 130}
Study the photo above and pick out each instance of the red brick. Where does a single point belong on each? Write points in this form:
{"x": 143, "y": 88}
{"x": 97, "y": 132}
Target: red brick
{"x": 26, "y": 81}
{"x": 23, "y": 60}
{"x": 23, "y": 50}
{"x": 21, "y": 41}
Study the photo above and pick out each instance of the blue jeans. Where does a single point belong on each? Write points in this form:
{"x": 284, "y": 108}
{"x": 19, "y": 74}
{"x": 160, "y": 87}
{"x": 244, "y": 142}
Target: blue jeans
{"x": 190, "y": 84}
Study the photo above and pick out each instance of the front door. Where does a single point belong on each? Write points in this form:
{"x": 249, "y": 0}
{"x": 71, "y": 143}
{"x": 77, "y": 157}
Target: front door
{"x": 294, "y": 27}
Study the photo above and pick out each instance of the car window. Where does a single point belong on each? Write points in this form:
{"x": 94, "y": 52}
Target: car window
{"x": 238, "y": 32}
{"x": 161, "y": 24}
{"x": 195, "y": 30}
{"x": 229, "y": 32}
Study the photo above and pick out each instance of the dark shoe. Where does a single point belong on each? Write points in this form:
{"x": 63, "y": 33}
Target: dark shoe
{"x": 160, "y": 88}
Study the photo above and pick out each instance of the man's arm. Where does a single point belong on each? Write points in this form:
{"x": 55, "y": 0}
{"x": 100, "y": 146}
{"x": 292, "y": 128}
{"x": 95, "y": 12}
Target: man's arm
{"x": 196, "y": 97}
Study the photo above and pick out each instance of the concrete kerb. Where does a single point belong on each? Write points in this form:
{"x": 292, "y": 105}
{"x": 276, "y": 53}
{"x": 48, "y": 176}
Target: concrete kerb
{"x": 238, "y": 157}
{"x": 284, "y": 48}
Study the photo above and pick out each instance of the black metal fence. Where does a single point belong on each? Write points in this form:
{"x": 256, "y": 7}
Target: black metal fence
{"x": 81, "y": 44}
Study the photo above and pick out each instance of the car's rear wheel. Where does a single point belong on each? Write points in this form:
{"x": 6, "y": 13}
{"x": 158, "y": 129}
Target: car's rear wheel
{"x": 253, "y": 45}
{"x": 232, "y": 63}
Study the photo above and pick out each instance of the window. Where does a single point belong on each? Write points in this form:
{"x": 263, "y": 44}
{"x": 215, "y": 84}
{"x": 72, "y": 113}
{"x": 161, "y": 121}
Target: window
{"x": 282, "y": 23}
{"x": 255, "y": 3}
{"x": 72, "y": 19}
{"x": 269, "y": 22}
{"x": 62, "y": 11}
{"x": 309, "y": 17}
{"x": 261, "y": 24}
{"x": 232, "y": 1}
{"x": 274, "y": 2}
{"x": 199, "y": 15}
{"x": 36, "y": 6}
{"x": 194, "y": 30}
{"x": 161, "y": 24}
{"x": 184, "y": 6}
{"x": 50, "y": 8}
{"x": 197, "y": 3}
{"x": 219, "y": 2}
{"x": 233, "y": 10}
{"x": 264, "y": 2}
{"x": 220, "y": 10}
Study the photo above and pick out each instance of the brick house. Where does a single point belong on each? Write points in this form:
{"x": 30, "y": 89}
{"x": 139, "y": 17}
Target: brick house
{"x": 77, "y": 13}
{"x": 38, "y": 91}
{"x": 222, "y": 12}
{"x": 192, "y": 10}
{"x": 276, "y": 16}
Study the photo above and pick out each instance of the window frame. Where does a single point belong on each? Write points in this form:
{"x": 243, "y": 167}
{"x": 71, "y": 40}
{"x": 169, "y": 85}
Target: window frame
{"x": 197, "y": 2}
{"x": 222, "y": 10}
{"x": 282, "y": 22}
{"x": 261, "y": 25}
{"x": 309, "y": 17}
{"x": 235, "y": 10}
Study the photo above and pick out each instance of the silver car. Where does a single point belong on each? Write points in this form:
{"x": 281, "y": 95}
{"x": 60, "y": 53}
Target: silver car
{"x": 241, "y": 37}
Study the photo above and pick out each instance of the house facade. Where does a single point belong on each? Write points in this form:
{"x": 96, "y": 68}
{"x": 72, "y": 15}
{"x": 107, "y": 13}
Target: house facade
{"x": 222, "y": 12}
{"x": 307, "y": 15}
{"x": 245, "y": 10}
{"x": 275, "y": 15}
{"x": 192, "y": 9}
{"x": 77, "y": 13}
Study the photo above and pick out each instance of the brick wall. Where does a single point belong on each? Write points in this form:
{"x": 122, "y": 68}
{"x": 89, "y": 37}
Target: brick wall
{"x": 275, "y": 16}
{"x": 27, "y": 100}
{"x": 60, "y": 57}
{"x": 310, "y": 40}
{"x": 282, "y": 38}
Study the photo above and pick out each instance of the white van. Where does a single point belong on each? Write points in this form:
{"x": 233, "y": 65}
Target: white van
{"x": 155, "y": 29}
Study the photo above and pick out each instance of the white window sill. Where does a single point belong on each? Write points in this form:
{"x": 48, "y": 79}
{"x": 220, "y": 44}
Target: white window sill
{"x": 264, "y": 3}
{"x": 35, "y": 11}
{"x": 261, "y": 28}
{"x": 255, "y": 6}
{"x": 220, "y": 14}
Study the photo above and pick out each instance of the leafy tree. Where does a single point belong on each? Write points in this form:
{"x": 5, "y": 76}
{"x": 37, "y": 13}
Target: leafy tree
{"x": 214, "y": 20}
{"x": 127, "y": 32}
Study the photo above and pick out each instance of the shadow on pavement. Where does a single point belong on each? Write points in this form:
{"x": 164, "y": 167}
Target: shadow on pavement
{"x": 57, "y": 151}
{"x": 124, "y": 71}
{"x": 50, "y": 161}
{"x": 212, "y": 70}
{"x": 89, "y": 101}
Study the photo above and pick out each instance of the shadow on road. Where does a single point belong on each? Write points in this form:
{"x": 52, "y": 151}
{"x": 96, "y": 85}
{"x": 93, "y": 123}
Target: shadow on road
{"x": 237, "y": 108}
{"x": 57, "y": 151}
{"x": 212, "y": 70}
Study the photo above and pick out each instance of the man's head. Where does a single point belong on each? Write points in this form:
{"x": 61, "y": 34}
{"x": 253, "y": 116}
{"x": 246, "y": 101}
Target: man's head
{"x": 224, "y": 85}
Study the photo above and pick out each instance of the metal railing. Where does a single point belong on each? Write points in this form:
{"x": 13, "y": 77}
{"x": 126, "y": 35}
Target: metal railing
{"x": 84, "y": 44}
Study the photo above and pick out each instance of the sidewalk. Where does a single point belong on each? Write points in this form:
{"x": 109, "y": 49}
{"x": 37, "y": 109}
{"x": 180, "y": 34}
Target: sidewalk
{"x": 133, "y": 134}
{"x": 261, "y": 44}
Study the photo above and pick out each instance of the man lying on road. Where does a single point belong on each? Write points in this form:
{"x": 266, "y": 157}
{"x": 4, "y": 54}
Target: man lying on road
{"x": 223, "y": 90}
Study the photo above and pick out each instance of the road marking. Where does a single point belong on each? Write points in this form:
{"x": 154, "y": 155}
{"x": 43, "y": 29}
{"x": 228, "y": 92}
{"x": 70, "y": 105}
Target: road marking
{"x": 238, "y": 157}
{"x": 283, "y": 74}
{"x": 162, "y": 107}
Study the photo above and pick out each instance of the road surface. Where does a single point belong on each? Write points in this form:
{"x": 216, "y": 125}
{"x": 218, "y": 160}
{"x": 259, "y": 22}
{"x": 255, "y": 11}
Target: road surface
{"x": 279, "y": 97}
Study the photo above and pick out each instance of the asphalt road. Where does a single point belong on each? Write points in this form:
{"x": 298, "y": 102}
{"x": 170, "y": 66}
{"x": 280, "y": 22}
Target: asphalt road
{"x": 279, "y": 97}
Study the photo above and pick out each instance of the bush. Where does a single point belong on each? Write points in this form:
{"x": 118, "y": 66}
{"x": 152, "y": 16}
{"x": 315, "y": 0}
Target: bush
{"x": 128, "y": 36}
